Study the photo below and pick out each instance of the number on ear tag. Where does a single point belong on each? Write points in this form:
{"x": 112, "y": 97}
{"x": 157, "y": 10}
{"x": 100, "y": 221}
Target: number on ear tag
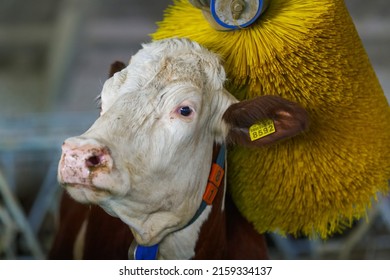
{"x": 261, "y": 129}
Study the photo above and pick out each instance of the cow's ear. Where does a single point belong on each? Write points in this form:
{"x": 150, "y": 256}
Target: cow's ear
{"x": 116, "y": 67}
{"x": 264, "y": 120}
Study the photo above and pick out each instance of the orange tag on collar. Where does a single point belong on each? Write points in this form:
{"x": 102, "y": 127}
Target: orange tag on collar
{"x": 216, "y": 174}
{"x": 215, "y": 179}
{"x": 210, "y": 193}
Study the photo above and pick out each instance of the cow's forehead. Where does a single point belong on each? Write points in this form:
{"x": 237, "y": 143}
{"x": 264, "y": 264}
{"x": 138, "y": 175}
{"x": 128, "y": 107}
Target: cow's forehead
{"x": 151, "y": 67}
{"x": 172, "y": 82}
{"x": 161, "y": 64}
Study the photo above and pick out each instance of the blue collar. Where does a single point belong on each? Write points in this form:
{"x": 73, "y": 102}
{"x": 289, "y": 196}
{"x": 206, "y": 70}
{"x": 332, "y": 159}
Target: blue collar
{"x": 215, "y": 178}
{"x": 146, "y": 252}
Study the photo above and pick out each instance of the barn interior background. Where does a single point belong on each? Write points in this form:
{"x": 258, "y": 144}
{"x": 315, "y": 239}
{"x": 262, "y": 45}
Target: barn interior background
{"x": 54, "y": 58}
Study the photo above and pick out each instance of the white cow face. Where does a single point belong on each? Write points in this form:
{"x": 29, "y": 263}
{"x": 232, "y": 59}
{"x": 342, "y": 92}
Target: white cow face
{"x": 146, "y": 159}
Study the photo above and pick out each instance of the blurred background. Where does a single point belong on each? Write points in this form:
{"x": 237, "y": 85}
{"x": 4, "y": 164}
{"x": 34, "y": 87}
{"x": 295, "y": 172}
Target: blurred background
{"x": 54, "y": 59}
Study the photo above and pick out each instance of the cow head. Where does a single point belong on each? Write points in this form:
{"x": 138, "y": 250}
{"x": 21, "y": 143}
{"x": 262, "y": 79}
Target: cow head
{"x": 146, "y": 159}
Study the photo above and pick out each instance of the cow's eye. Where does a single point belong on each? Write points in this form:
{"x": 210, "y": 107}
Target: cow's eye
{"x": 185, "y": 111}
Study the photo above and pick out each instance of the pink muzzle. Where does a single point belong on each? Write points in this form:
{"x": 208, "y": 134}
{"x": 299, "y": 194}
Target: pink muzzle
{"x": 81, "y": 159}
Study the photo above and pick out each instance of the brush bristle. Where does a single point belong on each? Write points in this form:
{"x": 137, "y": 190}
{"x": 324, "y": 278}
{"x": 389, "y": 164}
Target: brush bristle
{"x": 309, "y": 52}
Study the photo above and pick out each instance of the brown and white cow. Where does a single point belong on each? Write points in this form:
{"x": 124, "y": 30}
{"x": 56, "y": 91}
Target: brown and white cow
{"x": 147, "y": 159}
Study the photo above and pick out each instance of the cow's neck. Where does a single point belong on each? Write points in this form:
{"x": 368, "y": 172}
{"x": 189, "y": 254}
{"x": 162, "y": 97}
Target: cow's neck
{"x": 193, "y": 241}
{"x": 204, "y": 239}
{"x": 181, "y": 244}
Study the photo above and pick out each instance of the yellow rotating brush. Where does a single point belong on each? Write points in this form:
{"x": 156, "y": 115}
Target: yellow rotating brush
{"x": 309, "y": 52}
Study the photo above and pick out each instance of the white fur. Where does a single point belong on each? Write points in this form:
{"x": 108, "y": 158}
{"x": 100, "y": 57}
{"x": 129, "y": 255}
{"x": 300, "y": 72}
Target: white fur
{"x": 180, "y": 245}
{"x": 78, "y": 247}
{"x": 161, "y": 158}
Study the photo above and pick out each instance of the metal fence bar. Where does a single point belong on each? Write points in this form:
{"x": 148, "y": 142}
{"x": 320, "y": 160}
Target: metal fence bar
{"x": 7, "y": 234}
{"x": 46, "y": 197}
{"x": 15, "y": 211}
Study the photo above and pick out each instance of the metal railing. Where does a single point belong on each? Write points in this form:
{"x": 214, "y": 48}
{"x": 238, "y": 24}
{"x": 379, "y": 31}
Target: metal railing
{"x": 40, "y": 134}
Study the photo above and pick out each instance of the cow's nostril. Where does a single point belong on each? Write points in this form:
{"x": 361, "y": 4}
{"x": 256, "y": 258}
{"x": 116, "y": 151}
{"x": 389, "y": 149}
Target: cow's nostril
{"x": 93, "y": 161}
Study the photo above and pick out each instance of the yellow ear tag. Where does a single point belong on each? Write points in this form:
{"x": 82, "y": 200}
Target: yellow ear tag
{"x": 262, "y": 129}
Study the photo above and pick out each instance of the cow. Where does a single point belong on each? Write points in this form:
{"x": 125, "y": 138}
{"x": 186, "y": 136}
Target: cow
{"x": 150, "y": 172}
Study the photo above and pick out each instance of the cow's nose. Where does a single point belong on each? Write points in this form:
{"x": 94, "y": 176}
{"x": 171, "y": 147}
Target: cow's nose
{"x": 88, "y": 154}
{"x": 81, "y": 157}
{"x": 94, "y": 160}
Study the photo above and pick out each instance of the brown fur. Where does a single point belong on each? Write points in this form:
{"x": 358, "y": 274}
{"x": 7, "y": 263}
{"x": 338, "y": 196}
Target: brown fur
{"x": 116, "y": 67}
{"x": 289, "y": 119}
{"x": 106, "y": 237}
